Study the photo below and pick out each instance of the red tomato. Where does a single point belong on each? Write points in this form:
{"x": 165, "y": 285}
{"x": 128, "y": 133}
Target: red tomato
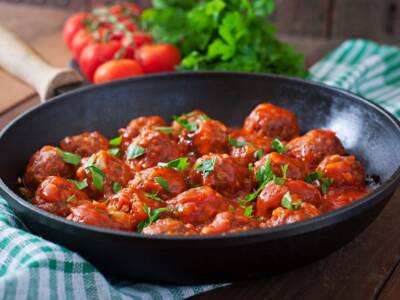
{"x": 72, "y": 25}
{"x": 117, "y": 69}
{"x": 125, "y": 9}
{"x": 95, "y": 55}
{"x": 81, "y": 39}
{"x": 158, "y": 58}
{"x": 137, "y": 40}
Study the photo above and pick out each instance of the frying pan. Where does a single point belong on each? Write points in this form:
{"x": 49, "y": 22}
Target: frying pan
{"x": 368, "y": 131}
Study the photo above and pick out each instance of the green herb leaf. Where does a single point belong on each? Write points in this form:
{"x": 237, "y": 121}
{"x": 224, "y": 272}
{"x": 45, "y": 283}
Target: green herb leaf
{"x": 236, "y": 142}
{"x": 180, "y": 164}
{"x": 89, "y": 162}
{"x": 206, "y": 166}
{"x": 278, "y": 146}
{"x": 168, "y": 130}
{"x": 97, "y": 177}
{"x": 278, "y": 180}
{"x": 134, "y": 151}
{"x": 248, "y": 211}
{"x": 153, "y": 196}
{"x": 152, "y": 216}
{"x": 314, "y": 176}
{"x": 191, "y": 126}
{"x": 163, "y": 182}
{"x": 265, "y": 173}
{"x": 80, "y": 184}
{"x": 114, "y": 152}
{"x": 287, "y": 202}
{"x": 326, "y": 184}
{"x": 116, "y": 187}
{"x": 258, "y": 154}
{"x": 68, "y": 157}
{"x": 115, "y": 142}
{"x": 70, "y": 198}
{"x": 250, "y": 167}
{"x": 231, "y": 208}
{"x": 284, "y": 168}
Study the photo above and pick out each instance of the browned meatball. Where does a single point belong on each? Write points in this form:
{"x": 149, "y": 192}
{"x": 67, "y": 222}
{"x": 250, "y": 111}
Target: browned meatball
{"x": 108, "y": 171}
{"x": 272, "y": 194}
{"x": 46, "y": 162}
{"x": 247, "y": 148}
{"x": 314, "y": 146}
{"x": 272, "y": 121}
{"x": 337, "y": 198}
{"x": 296, "y": 168}
{"x": 57, "y": 195}
{"x": 163, "y": 182}
{"x": 344, "y": 170}
{"x": 281, "y": 216}
{"x": 222, "y": 173}
{"x": 135, "y": 126}
{"x": 196, "y": 116}
{"x": 198, "y": 206}
{"x": 170, "y": 227}
{"x": 149, "y": 148}
{"x": 85, "y": 144}
{"x": 229, "y": 222}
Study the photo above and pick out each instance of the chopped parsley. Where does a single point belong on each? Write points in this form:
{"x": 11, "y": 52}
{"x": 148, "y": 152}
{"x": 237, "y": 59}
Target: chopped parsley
{"x": 326, "y": 184}
{"x": 278, "y": 180}
{"x": 68, "y": 157}
{"x": 70, "y": 198}
{"x": 115, "y": 142}
{"x": 287, "y": 202}
{"x": 97, "y": 177}
{"x": 191, "y": 126}
{"x": 163, "y": 182}
{"x": 152, "y": 216}
{"x": 284, "y": 168}
{"x": 250, "y": 166}
{"x": 265, "y": 173}
{"x": 153, "y": 196}
{"x": 114, "y": 152}
{"x": 231, "y": 208}
{"x": 206, "y": 166}
{"x": 314, "y": 176}
{"x": 248, "y": 211}
{"x": 116, "y": 187}
{"x": 168, "y": 130}
{"x": 278, "y": 146}
{"x": 79, "y": 184}
{"x": 90, "y": 161}
{"x": 258, "y": 154}
{"x": 180, "y": 164}
{"x": 134, "y": 151}
{"x": 236, "y": 142}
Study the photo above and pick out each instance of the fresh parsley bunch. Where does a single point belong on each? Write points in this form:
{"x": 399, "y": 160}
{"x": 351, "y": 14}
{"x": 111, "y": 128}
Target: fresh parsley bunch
{"x": 223, "y": 35}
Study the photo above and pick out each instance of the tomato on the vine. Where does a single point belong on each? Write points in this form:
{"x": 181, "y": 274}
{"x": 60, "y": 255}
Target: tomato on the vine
{"x": 81, "y": 39}
{"x": 72, "y": 26}
{"x": 156, "y": 58}
{"x": 134, "y": 41}
{"x": 125, "y": 10}
{"x": 95, "y": 55}
{"x": 117, "y": 69}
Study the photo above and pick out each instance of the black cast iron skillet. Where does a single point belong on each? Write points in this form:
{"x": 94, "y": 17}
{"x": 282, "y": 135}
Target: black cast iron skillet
{"x": 367, "y": 131}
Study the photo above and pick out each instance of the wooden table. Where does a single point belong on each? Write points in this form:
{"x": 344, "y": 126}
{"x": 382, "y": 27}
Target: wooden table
{"x": 366, "y": 268}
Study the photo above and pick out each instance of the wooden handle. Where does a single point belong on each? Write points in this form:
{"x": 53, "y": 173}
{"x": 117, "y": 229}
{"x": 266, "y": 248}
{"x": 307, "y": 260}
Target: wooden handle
{"x": 20, "y": 60}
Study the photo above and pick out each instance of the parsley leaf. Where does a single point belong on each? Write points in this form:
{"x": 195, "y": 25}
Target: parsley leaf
{"x": 284, "y": 168}
{"x": 153, "y": 196}
{"x": 70, "y": 198}
{"x": 265, "y": 173}
{"x": 180, "y": 164}
{"x": 68, "y": 157}
{"x": 250, "y": 167}
{"x": 278, "y": 181}
{"x": 231, "y": 208}
{"x": 115, "y": 142}
{"x": 248, "y": 211}
{"x": 168, "y": 130}
{"x": 258, "y": 154}
{"x": 313, "y": 176}
{"x": 152, "y": 216}
{"x": 191, "y": 126}
{"x": 163, "y": 182}
{"x": 236, "y": 142}
{"x": 287, "y": 202}
{"x": 326, "y": 184}
{"x": 278, "y": 146}
{"x": 134, "y": 151}
{"x": 80, "y": 184}
{"x": 114, "y": 152}
{"x": 116, "y": 187}
{"x": 205, "y": 166}
{"x": 97, "y": 177}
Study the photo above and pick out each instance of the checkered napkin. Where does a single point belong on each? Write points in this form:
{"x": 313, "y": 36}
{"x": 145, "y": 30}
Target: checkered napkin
{"x": 33, "y": 268}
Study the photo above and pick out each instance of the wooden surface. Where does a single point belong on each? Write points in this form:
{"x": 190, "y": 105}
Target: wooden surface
{"x": 366, "y": 268}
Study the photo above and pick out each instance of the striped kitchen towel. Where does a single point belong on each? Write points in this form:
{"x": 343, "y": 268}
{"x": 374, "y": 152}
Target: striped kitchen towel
{"x": 33, "y": 268}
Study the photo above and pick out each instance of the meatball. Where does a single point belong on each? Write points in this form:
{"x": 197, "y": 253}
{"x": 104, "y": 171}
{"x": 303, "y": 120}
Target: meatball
{"x": 296, "y": 168}
{"x": 247, "y": 148}
{"x": 281, "y": 216}
{"x": 337, "y": 198}
{"x": 229, "y": 222}
{"x": 170, "y": 227}
{"x": 85, "y": 144}
{"x": 135, "y": 126}
{"x": 272, "y": 121}
{"x": 46, "y": 162}
{"x": 149, "y": 148}
{"x": 164, "y": 182}
{"x": 196, "y": 116}
{"x": 344, "y": 170}
{"x": 198, "y": 205}
{"x": 57, "y": 195}
{"x": 272, "y": 194}
{"x": 96, "y": 214}
{"x": 314, "y": 146}
{"x": 223, "y": 174}
{"x": 108, "y": 171}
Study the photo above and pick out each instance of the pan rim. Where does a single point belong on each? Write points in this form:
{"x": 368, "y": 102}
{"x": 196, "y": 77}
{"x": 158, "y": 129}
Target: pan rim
{"x": 347, "y": 212}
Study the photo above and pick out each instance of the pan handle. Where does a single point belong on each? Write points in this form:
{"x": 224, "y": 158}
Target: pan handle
{"x": 20, "y": 60}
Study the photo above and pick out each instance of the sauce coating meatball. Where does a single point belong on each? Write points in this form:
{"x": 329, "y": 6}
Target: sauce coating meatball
{"x": 272, "y": 194}
{"x": 337, "y": 198}
{"x": 272, "y": 121}
{"x": 85, "y": 144}
{"x": 296, "y": 169}
{"x": 135, "y": 126}
{"x": 154, "y": 146}
{"x": 198, "y": 205}
{"x": 166, "y": 183}
{"x": 281, "y": 216}
{"x": 314, "y": 146}
{"x": 229, "y": 222}
{"x": 107, "y": 169}
{"x": 46, "y": 162}
{"x": 223, "y": 174}
{"x": 57, "y": 195}
{"x": 344, "y": 170}
{"x": 169, "y": 226}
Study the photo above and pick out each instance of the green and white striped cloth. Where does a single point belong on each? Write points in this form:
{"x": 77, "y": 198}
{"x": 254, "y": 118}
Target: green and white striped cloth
{"x": 33, "y": 268}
